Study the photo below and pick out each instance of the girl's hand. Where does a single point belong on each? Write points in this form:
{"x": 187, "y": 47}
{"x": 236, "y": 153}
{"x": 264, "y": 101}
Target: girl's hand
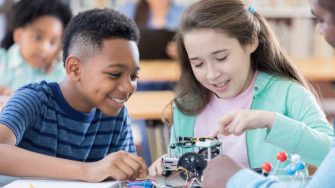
{"x": 239, "y": 121}
{"x": 156, "y": 169}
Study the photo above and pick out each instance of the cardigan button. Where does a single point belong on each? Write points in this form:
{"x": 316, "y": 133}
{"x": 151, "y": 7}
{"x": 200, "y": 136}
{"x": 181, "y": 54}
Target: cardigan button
{"x": 256, "y": 88}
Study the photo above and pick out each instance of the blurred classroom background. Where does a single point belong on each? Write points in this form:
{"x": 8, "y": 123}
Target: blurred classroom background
{"x": 293, "y": 25}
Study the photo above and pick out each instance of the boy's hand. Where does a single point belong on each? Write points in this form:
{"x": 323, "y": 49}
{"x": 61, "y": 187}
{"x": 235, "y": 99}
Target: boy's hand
{"x": 239, "y": 121}
{"x": 156, "y": 169}
{"x": 119, "y": 165}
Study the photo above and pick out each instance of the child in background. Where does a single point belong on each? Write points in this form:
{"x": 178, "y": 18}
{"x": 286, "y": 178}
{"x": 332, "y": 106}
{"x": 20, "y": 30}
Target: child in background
{"x": 234, "y": 176}
{"x": 31, "y": 46}
{"x": 238, "y": 82}
{"x": 78, "y": 129}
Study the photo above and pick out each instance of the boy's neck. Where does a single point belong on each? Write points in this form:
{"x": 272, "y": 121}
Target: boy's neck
{"x": 73, "y": 97}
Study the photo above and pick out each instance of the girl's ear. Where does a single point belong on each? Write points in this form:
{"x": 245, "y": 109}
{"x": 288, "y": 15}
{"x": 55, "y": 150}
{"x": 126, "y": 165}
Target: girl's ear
{"x": 17, "y": 35}
{"x": 254, "y": 44}
{"x": 72, "y": 67}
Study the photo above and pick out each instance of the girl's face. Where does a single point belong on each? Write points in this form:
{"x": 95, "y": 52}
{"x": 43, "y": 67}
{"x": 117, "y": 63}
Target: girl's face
{"x": 40, "y": 41}
{"x": 325, "y": 22}
{"x": 219, "y": 62}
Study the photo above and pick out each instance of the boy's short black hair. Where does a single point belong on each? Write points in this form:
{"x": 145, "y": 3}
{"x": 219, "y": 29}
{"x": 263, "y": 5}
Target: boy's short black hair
{"x": 27, "y": 11}
{"x": 86, "y": 31}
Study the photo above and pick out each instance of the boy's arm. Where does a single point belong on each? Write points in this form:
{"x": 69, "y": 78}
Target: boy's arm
{"x": 21, "y": 162}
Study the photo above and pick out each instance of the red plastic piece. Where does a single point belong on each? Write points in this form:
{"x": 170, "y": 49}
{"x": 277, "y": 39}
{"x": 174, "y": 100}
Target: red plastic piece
{"x": 282, "y": 156}
{"x": 266, "y": 167}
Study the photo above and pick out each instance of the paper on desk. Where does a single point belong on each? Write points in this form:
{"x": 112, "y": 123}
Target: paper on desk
{"x": 41, "y": 183}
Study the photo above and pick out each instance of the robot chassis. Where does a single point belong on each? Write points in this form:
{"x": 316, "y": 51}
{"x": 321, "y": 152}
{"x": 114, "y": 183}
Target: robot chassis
{"x": 191, "y": 164}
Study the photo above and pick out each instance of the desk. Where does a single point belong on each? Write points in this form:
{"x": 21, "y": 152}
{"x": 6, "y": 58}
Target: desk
{"x": 159, "y": 70}
{"x": 316, "y": 69}
{"x": 47, "y": 183}
{"x": 149, "y": 104}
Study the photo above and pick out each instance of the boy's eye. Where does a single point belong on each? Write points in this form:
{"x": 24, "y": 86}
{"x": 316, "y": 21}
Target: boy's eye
{"x": 114, "y": 75}
{"x": 134, "y": 77}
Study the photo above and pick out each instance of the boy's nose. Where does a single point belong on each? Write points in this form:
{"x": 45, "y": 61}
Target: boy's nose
{"x": 128, "y": 86}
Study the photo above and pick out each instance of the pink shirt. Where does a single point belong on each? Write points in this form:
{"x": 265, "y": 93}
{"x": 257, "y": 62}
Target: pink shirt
{"x": 207, "y": 121}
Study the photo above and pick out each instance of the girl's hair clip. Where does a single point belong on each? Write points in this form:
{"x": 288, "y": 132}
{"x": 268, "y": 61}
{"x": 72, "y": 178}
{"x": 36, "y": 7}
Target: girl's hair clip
{"x": 251, "y": 9}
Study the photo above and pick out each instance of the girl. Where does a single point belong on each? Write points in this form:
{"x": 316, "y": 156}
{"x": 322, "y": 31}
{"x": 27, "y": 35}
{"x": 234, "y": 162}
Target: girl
{"x": 237, "y": 83}
{"x": 32, "y": 43}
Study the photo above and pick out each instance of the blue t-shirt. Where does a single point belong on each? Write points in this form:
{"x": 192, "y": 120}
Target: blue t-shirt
{"x": 44, "y": 122}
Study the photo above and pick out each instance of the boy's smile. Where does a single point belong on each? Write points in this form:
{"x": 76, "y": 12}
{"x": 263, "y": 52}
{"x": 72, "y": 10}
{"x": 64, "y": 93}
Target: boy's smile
{"x": 106, "y": 78}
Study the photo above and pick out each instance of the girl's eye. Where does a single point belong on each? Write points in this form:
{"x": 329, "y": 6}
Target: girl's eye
{"x": 198, "y": 65}
{"x": 222, "y": 59}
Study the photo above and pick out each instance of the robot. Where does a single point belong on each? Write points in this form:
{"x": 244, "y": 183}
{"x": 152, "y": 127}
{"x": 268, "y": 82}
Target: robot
{"x": 194, "y": 153}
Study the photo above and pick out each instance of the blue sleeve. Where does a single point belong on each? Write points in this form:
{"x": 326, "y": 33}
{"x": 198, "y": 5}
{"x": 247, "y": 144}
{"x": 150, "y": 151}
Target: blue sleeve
{"x": 21, "y": 111}
{"x": 126, "y": 141}
{"x": 248, "y": 179}
{"x": 325, "y": 175}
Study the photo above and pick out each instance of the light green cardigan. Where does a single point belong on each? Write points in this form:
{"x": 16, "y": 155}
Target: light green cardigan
{"x": 300, "y": 126}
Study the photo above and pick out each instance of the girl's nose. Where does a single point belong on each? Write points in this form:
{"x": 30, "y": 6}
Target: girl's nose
{"x": 212, "y": 72}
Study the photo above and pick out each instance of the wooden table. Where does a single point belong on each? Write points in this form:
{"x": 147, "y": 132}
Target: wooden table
{"x": 159, "y": 70}
{"x": 149, "y": 104}
{"x": 317, "y": 69}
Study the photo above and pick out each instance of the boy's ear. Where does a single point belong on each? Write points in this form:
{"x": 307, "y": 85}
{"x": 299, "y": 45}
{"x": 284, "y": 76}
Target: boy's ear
{"x": 17, "y": 35}
{"x": 72, "y": 67}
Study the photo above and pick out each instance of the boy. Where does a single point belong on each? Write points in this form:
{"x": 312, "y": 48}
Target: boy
{"x": 78, "y": 129}
{"x": 225, "y": 172}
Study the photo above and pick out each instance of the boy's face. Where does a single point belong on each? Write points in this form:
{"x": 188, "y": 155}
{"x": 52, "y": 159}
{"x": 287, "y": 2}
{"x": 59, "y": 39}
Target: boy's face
{"x": 325, "y": 22}
{"x": 40, "y": 41}
{"x": 108, "y": 77}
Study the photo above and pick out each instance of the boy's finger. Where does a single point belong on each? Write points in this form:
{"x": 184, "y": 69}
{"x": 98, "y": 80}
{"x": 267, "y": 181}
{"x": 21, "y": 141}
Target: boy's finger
{"x": 140, "y": 161}
{"x": 126, "y": 168}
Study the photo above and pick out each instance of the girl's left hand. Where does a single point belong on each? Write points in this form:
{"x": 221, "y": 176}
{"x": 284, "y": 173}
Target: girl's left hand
{"x": 238, "y": 121}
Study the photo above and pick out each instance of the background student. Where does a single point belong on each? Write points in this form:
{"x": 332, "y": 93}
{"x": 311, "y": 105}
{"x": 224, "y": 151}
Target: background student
{"x": 30, "y": 49}
{"x": 238, "y": 82}
{"x": 78, "y": 129}
{"x": 234, "y": 176}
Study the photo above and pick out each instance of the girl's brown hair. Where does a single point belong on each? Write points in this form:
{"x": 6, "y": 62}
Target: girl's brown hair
{"x": 233, "y": 18}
